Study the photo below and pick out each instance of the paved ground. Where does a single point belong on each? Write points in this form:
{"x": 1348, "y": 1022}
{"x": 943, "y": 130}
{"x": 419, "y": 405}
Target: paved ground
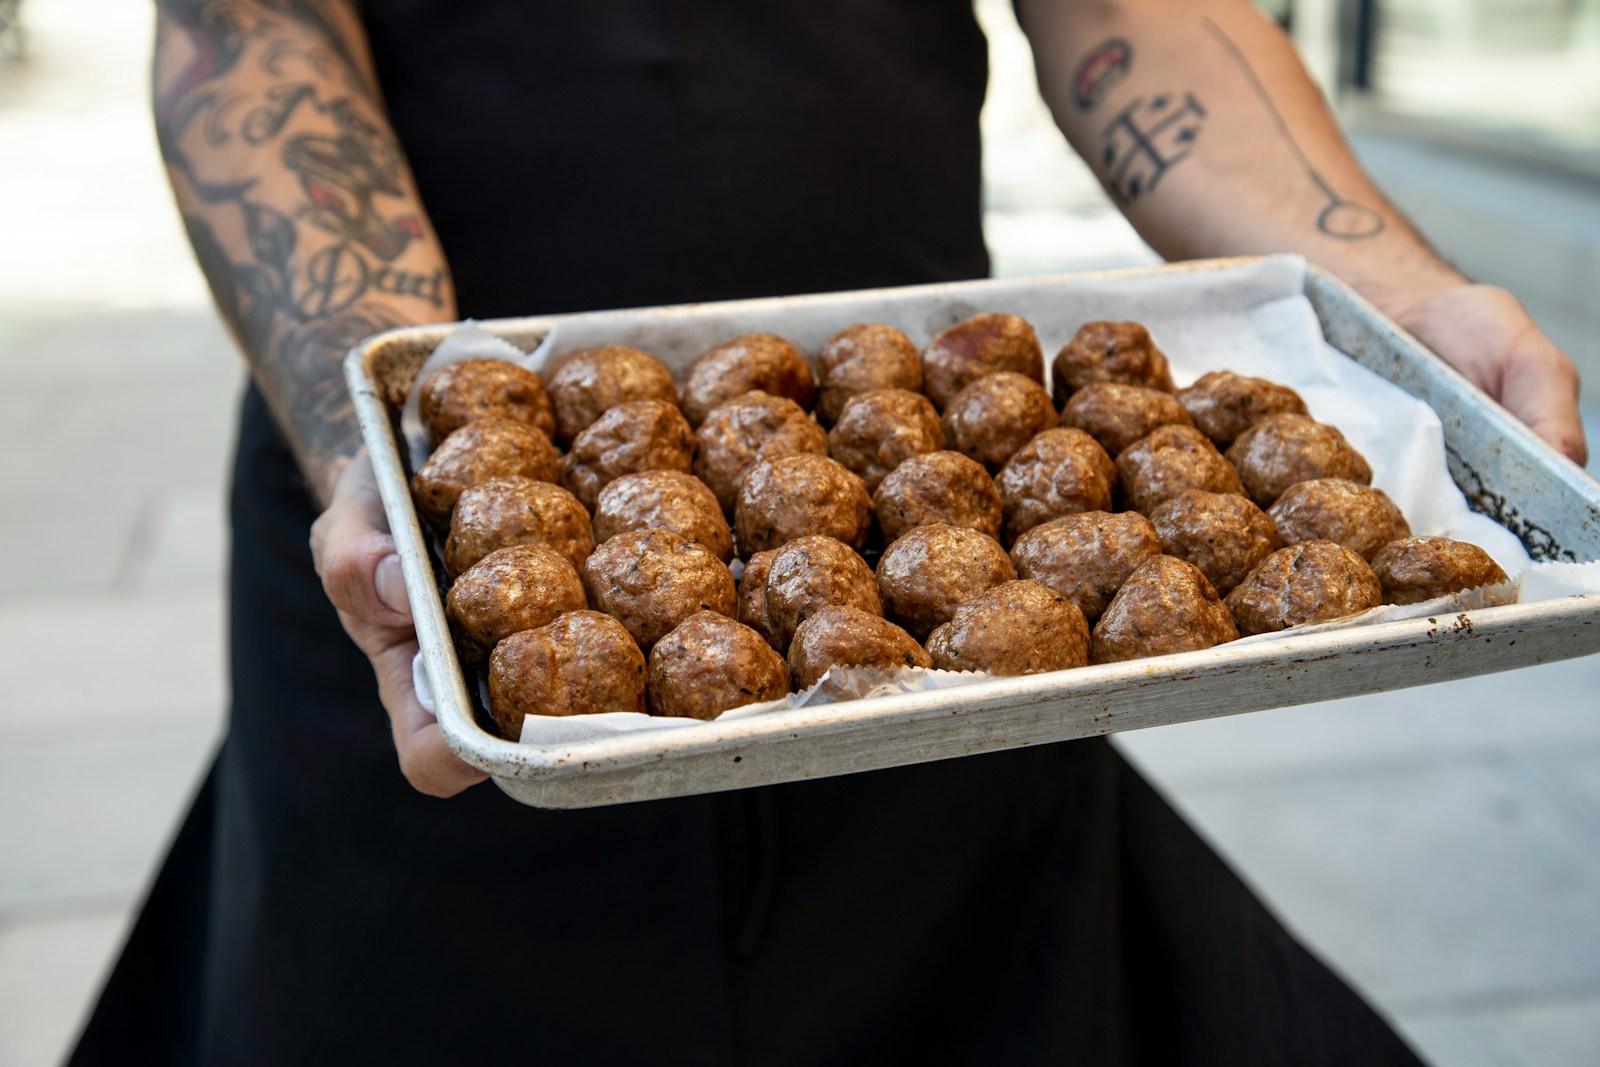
{"x": 1439, "y": 846}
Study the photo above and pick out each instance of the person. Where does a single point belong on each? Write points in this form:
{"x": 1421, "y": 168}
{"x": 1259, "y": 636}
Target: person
{"x": 320, "y": 906}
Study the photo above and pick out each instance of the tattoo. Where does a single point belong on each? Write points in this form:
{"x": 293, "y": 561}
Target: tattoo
{"x": 1146, "y": 140}
{"x": 1100, "y": 71}
{"x": 1340, "y": 218}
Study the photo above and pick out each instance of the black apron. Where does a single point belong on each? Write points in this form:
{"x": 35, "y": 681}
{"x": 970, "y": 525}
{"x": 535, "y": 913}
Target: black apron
{"x": 1042, "y": 905}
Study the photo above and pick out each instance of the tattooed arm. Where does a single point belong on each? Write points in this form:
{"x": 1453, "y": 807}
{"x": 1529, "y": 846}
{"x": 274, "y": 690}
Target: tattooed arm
{"x": 1200, "y": 121}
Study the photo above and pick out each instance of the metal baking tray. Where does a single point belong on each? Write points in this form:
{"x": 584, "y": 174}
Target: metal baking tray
{"x": 1505, "y": 472}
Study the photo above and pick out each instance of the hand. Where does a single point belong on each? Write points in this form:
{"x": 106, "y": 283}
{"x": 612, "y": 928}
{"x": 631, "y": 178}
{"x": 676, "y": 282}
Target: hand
{"x": 360, "y": 572}
{"x": 1487, "y": 335}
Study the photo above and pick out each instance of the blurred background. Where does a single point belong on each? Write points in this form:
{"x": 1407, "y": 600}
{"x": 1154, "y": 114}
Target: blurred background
{"x": 1440, "y": 846}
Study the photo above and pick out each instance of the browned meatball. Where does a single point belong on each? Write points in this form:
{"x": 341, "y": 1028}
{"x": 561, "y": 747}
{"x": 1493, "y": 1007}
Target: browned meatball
{"x": 993, "y": 417}
{"x": 843, "y": 636}
{"x": 1117, "y": 415}
{"x": 938, "y": 487}
{"x": 746, "y": 429}
{"x": 1165, "y": 606}
{"x": 1015, "y": 628}
{"x": 708, "y": 664}
{"x": 879, "y": 430}
{"x": 641, "y": 435}
{"x": 753, "y": 597}
{"x": 1223, "y": 534}
{"x": 1060, "y": 472}
{"x": 652, "y": 580}
{"x": 925, "y": 575}
{"x": 663, "y": 500}
{"x": 1086, "y": 557}
{"x": 1224, "y": 404}
{"x": 981, "y": 345}
{"x": 516, "y": 511}
{"x": 1356, "y": 516}
{"x": 511, "y": 589}
{"x": 1420, "y": 568}
{"x": 592, "y": 381}
{"x": 861, "y": 358}
{"x": 1156, "y": 468}
{"x": 792, "y": 496}
{"x": 480, "y": 452}
{"x": 762, "y": 361}
{"x": 459, "y": 393}
{"x": 1281, "y": 450}
{"x": 1109, "y": 352}
{"x": 1314, "y": 581}
{"x": 812, "y": 572}
{"x": 583, "y": 663}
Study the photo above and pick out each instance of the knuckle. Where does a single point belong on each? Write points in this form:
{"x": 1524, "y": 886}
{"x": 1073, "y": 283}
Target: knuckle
{"x": 347, "y": 572}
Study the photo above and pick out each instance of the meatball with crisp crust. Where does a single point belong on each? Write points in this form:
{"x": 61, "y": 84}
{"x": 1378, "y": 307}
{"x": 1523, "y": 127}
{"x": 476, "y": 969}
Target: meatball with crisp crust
{"x": 1224, "y": 404}
{"x": 1086, "y": 557}
{"x": 753, "y": 361}
{"x": 663, "y": 500}
{"x": 1314, "y": 581}
{"x": 1359, "y": 517}
{"x": 843, "y": 636}
{"x": 1156, "y": 468}
{"x": 981, "y": 345}
{"x": 480, "y": 451}
{"x": 516, "y": 511}
{"x": 459, "y": 393}
{"x": 1281, "y": 450}
{"x": 993, "y": 417}
{"x": 1109, "y": 352}
{"x": 1060, "y": 472}
{"x": 1117, "y": 414}
{"x": 1165, "y": 606}
{"x": 1224, "y": 534}
{"x": 1415, "y": 569}
{"x": 511, "y": 589}
{"x": 793, "y": 496}
{"x": 641, "y": 435}
{"x": 709, "y": 664}
{"x": 925, "y": 575}
{"x": 588, "y": 383}
{"x": 938, "y": 487}
{"x": 810, "y": 573}
{"x": 582, "y": 663}
{"x": 1018, "y": 627}
{"x": 749, "y": 428}
{"x": 753, "y": 598}
{"x": 652, "y": 580}
{"x": 861, "y": 358}
{"x": 879, "y": 430}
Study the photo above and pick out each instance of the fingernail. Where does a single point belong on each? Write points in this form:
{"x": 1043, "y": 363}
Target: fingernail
{"x": 391, "y": 585}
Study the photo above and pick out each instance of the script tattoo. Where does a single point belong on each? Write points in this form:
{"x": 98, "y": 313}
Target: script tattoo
{"x": 1146, "y": 140}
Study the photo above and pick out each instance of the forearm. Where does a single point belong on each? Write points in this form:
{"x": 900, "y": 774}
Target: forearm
{"x": 302, "y": 212}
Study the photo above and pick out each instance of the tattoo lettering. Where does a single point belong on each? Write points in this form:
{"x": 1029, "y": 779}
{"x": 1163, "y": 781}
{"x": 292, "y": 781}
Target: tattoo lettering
{"x": 337, "y": 277}
{"x": 1149, "y": 138}
{"x": 1343, "y": 219}
{"x": 1100, "y": 71}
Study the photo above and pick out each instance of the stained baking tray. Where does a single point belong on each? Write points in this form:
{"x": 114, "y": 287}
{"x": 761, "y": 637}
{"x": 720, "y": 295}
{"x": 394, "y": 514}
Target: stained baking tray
{"x": 1550, "y": 504}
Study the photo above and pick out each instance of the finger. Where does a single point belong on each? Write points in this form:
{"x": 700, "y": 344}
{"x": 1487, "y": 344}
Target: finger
{"x": 1541, "y": 389}
{"x": 361, "y": 575}
{"x": 425, "y": 757}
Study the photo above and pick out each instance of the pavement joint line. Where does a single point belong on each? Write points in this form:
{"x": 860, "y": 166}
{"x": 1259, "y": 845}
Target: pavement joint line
{"x": 1510, "y": 998}
{"x": 138, "y": 547}
{"x": 74, "y": 906}
{"x": 87, "y": 731}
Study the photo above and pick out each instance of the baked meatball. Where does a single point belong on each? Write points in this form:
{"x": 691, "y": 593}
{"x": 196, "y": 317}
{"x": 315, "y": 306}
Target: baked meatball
{"x": 748, "y": 428}
{"x": 516, "y": 511}
{"x": 753, "y": 597}
{"x": 479, "y": 452}
{"x": 1158, "y": 467}
{"x": 1015, "y": 628}
{"x": 981, "y": 345}
{"x": 510, "y": 589}
{"x": 860, "y": 358}
{"x": 663, "y": 500}
{"x": 1224, "y": 404}
{"x": 459, "y": 393}
{"x": 925, "y": 575}
{"x": 843, "y": 636}
{"x": 812, "y": 572}
{"x": 938, "y": 487}
{"x": 1356, "y": 516}
{"x": 1314, "y": 581}
{"x": 879, "y": 430}
{"x": 1060, "y": 472}
{"x": 710, "y": 663}
{"x": 1117, "y": 415}
{"x": 1109, "y": 352}
{"x": 652, "y": 580}
{"x": 1281, "y": 450}
{"x": 992, "y": 418}
{"x": 1420, "y": 568}
{"x": 762, "y": 361}
{"x": 583, "y": 663}
{"x": 592, "y": 381}
{"x": 1086, "y": 557}
{"x": 640, "y": 435}
{"x": 1224, "y": 534}
{"x": 793, "y": 496}
{"x": 1165, "y": 606}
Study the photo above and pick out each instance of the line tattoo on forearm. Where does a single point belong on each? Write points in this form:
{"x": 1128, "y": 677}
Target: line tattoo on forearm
{"x": 1343, "y": 219}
